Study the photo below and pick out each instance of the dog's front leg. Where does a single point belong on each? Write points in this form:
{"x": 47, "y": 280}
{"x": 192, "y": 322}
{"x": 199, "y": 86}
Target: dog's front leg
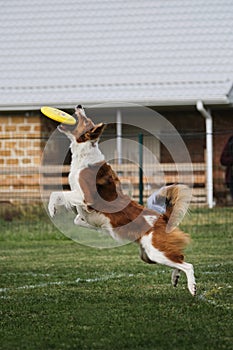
{"x": 56, "y": 198}
{"x": 69, "y": 199}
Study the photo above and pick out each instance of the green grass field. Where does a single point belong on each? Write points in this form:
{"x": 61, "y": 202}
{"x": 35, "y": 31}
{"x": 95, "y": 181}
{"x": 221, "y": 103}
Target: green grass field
{"x": 57, "y": 294}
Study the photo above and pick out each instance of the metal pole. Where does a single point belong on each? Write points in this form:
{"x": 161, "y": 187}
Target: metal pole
{"x": 140, "y": 142}
{"x": 209, "y": 151}
{"x": 119, "y": 135}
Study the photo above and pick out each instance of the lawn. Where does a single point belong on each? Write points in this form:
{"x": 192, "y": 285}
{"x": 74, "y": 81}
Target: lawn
{"x": 57, "y": 294}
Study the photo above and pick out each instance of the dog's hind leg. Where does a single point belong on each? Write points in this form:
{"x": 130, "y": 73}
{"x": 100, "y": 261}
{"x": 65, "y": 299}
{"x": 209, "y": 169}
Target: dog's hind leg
{"x": 159, "y": 257}
{"x": 189, "y": 271}
{"x": 175, "y": 277}
{"x": 81, "y": 222}
{"x": 144, "y": 256}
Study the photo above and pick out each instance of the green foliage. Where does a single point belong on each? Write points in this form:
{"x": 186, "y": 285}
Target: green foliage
{"x": 13, "y": 211}
{"x": 56, "y": 294}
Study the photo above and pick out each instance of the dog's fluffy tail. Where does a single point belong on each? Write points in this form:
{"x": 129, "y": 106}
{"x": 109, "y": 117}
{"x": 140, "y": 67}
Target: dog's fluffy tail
{"x": 177, "y": 199}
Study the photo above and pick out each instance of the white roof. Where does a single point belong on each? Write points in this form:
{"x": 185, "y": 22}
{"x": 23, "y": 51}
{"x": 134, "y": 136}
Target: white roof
{"x": 56, "y": 52}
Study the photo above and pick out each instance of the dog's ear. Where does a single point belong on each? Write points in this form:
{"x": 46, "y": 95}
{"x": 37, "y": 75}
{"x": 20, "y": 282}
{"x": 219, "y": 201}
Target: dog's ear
{"x": 97, "y": 131}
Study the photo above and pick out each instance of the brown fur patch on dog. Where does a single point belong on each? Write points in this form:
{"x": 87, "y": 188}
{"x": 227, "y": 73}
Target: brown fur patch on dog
{"x": 102, "y": 189}
{"x": 171, "y": 244}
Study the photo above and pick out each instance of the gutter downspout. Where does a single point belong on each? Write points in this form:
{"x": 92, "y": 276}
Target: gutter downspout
{"x": 209, "y": 151}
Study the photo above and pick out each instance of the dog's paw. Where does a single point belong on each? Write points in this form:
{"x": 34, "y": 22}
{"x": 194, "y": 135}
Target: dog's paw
{"x": 52, "y": 209}
{"x": 77, "y": 220}
{"x": 193, "y": 289}
{"x": 81, "y": 222}
{"x": 56, "y": 199}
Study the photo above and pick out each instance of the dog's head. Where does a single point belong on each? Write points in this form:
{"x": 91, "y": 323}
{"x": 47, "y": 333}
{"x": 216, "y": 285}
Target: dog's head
{"x": 84, "y": 130}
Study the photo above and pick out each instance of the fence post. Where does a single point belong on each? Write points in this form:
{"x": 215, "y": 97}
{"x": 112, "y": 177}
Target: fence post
{"x": 119, "y": 135}
{"x": 140, "y": 142}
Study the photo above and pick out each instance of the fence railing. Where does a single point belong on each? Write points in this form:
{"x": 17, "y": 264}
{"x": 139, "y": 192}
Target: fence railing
{"x": 168, "y": 173}
{"x": 27, "y": 184}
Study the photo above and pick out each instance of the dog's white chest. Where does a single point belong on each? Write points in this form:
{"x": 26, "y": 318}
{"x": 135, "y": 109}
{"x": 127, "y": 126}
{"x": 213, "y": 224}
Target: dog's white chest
{"x": 74, "y": 179}
{"x": 82, "y": 156}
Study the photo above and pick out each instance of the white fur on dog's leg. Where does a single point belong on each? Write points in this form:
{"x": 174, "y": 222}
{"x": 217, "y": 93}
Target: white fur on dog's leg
{"x": 159, "y": 257}
{"x": 188, "y": 269}
{"x": 52, "y": 209}
{"x": 56, "y": 199}
{"x": 77, "y": 220}
{"x": 81, "y": 222}
{"x": 191, "y": 281}
{"x": 52, "y": 204}
{"x": 192, "y": 287}
{"x": 175, "y": 277}
{"x": 67, "y": 198}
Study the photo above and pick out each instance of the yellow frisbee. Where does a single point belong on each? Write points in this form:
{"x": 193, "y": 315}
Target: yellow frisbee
{"x": 58, "y": 115}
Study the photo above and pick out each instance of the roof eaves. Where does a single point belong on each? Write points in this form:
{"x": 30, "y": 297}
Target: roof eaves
{"x": 178, "y": 102}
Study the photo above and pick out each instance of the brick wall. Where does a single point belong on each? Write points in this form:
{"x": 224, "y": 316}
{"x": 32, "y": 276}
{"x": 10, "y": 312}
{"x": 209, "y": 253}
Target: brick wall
{"x": 20, "y": 147}
{"x": 20, "y": 140}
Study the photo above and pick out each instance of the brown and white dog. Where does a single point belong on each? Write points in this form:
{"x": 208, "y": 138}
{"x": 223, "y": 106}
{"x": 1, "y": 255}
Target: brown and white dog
{"x": 98, "y": 198}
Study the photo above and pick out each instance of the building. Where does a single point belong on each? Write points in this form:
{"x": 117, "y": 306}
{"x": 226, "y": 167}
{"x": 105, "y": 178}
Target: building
{"x": 174, "y": 57}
